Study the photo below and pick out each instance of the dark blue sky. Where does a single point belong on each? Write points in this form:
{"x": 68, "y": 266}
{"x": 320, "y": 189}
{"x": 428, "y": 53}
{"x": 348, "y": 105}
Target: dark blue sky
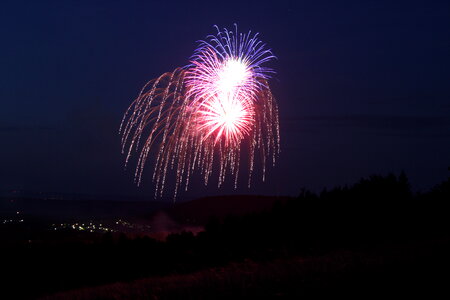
{"x": 363, "y": 87}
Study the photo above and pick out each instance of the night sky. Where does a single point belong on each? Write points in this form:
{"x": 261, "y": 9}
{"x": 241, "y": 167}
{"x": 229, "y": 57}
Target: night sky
{"x": 363, "y": 88}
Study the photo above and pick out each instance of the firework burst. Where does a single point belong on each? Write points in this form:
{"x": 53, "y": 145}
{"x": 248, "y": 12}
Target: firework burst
{"x": 205, "y": 113}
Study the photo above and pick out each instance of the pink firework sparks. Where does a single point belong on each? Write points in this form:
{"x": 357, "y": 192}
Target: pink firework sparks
{"x": 206, "y": 111}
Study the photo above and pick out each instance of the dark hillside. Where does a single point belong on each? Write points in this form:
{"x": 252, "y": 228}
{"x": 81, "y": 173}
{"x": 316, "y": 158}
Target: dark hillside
{"x": 370, "y": 238}
{"x": 200, "y": 211}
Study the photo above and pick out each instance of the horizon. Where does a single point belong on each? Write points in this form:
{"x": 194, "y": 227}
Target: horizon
{"x": 6, "y": 194}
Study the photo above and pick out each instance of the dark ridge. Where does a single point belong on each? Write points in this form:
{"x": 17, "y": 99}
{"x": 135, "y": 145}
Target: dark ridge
{"x": 200, "y": 211}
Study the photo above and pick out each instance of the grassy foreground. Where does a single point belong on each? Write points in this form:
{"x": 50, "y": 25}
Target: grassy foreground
{"x": 408, "y": 269}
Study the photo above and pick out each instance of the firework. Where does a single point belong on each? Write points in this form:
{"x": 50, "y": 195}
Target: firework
{"x": 205, "y": 113}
